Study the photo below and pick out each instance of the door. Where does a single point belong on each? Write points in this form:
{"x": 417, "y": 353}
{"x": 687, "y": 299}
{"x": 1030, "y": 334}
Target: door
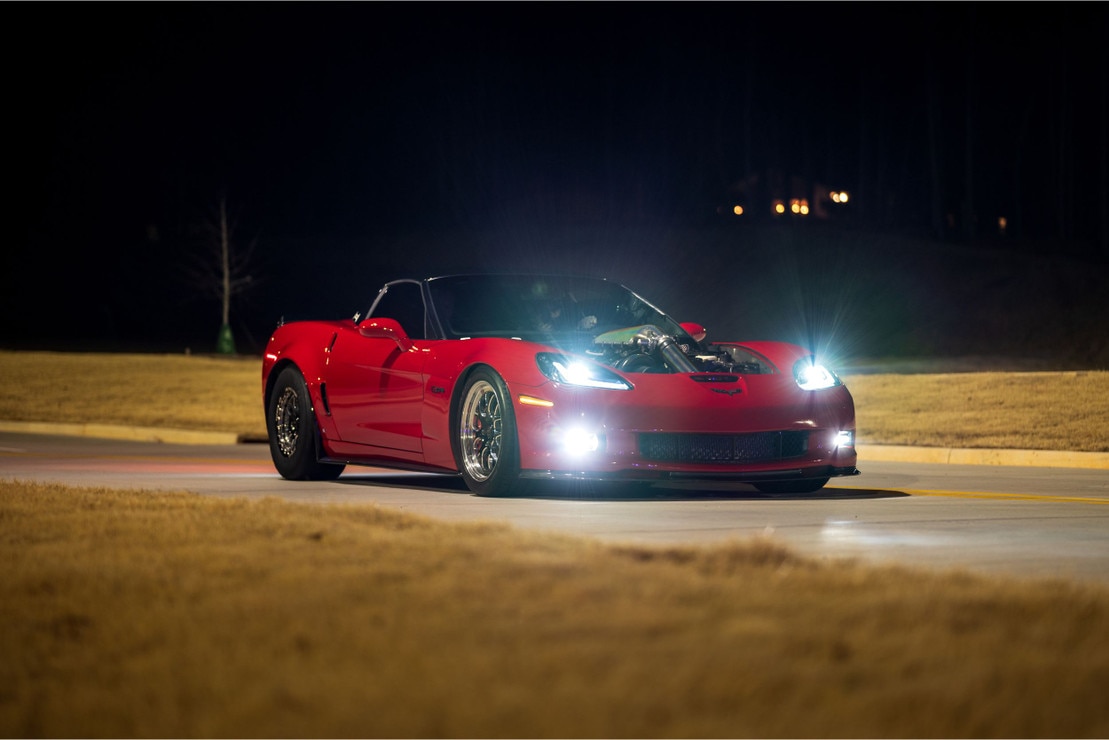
{"x": 374, "y": 387}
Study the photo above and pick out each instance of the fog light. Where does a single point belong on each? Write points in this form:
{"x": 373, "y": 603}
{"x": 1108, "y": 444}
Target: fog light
{"x": 580, "y": 441}
{"x": 844, "y": 439}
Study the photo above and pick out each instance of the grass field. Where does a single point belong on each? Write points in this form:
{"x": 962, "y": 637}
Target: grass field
{"x": 143, "y": 614}
{"x": 140, "y": 614}
{"x": 1027, "y": 410}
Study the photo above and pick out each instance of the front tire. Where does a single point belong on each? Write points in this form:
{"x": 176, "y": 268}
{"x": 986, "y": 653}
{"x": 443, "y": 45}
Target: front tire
{"x": 486, "y": 446}
{"x": 294, "y": 436}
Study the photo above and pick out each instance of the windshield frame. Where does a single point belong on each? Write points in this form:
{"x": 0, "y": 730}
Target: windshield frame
{"x": 515, "y": 306}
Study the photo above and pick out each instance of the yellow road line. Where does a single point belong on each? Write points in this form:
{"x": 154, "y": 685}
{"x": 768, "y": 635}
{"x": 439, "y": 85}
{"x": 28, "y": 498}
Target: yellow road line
{"x": 1000, "y": 496}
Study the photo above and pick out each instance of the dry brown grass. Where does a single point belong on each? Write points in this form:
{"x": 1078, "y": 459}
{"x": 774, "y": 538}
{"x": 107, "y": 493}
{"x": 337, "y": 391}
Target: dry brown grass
{"x": 1036, "y": 411}
{"x": 141, "y": 614}
{"x": 1028, "y": 411}
{"x": 175, "y": 391}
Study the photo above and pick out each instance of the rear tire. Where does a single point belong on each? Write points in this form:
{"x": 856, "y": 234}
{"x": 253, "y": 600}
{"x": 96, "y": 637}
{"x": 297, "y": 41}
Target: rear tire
{"x": 294, "y": 436}
{"x": 486, "y": 446}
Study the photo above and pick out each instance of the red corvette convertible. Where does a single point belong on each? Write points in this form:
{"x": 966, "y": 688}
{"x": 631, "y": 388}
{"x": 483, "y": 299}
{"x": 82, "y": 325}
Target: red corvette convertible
{"x": 500, "y": 378}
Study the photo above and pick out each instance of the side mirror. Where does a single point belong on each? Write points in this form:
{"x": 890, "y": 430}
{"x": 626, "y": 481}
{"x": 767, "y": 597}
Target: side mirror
{"x": 696, "y": 331}
{"x": 386, "y": 329}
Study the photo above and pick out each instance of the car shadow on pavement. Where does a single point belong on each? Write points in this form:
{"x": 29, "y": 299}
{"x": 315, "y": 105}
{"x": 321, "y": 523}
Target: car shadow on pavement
{"x": 622, "y": 491}
{"x": 588, "y": 490}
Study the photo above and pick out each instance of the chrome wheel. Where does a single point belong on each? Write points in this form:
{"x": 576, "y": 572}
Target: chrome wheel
{"x": 286, "y": 421}
{"x": 481, "y": 430}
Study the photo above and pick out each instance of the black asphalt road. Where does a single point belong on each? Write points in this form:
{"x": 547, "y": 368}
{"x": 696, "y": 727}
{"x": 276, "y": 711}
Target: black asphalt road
{"x": 1018, "y": 521}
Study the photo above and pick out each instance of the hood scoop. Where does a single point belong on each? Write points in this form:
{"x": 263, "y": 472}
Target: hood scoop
{"x": 714, "y": 378}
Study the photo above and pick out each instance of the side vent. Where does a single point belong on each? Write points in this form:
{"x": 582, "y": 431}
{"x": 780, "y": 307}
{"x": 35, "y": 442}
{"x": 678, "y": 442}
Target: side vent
{"x": 323, "y": 396}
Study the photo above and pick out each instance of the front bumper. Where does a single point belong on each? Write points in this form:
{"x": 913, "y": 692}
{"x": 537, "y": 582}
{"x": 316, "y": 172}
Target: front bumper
{"x": 635, "y": 474}
{"x": 627, "y": 451}
{"x": 677, "y": 439}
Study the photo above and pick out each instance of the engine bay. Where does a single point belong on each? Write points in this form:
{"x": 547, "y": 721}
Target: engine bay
{"x": 647, "y": 349}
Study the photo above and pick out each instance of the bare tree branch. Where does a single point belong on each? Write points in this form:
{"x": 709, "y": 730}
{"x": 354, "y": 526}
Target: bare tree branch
{"x": 217, "y": 268}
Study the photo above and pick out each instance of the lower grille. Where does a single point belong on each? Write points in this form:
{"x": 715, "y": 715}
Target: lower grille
{"x": 711, "y": 448}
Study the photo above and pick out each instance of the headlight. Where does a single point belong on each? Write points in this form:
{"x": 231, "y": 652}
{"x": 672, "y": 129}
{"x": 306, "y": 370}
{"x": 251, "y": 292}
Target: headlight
{"x": 812, "y": 376}
{"x": 581, "y": 373}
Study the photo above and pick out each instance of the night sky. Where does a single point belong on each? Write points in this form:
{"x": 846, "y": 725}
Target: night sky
{"x": 336, "y": 128}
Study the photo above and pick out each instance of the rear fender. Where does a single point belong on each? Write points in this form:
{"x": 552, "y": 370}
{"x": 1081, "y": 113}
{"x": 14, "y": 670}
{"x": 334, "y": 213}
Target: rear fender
{"x": 304, "y": 345}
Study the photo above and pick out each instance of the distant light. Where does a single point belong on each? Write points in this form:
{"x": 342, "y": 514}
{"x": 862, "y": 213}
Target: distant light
{"x": 738, "y": 210}
{"x": 779, "y": 207}
{"x": 1002, "y": 223}
{"x": 795, "y": 205}
{"x": 838, "y": 196}
{"x": 804, "y": 208}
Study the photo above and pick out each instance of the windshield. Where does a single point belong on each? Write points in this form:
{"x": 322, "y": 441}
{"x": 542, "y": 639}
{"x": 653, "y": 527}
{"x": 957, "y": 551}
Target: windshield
{"x": 539, "y": 308}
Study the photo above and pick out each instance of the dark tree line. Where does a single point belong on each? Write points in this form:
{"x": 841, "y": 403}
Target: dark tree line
{"x": 951, "y": 118}
{"x": 1026, "y": 140}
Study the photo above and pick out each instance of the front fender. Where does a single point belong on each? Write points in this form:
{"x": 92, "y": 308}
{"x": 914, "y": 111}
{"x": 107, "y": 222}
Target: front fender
{"x": 448, "y": 366}
{"x": 783, "y": 355}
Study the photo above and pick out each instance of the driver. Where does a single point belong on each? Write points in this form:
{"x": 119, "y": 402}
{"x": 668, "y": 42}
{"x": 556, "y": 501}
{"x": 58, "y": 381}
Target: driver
{"x": 553, "y": 316}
